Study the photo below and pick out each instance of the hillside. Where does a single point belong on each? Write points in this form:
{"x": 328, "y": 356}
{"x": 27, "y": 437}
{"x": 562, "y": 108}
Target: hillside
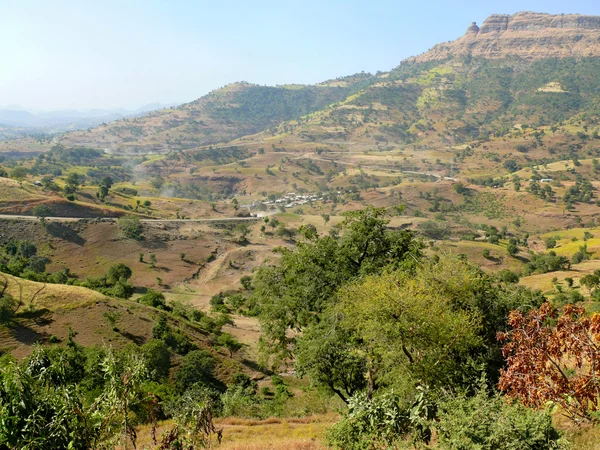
{"x": 531, "y": 67}
{"x": 233, "y": 111}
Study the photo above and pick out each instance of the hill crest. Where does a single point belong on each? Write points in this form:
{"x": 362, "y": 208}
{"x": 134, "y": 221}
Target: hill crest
{"x": 527, "y": 35}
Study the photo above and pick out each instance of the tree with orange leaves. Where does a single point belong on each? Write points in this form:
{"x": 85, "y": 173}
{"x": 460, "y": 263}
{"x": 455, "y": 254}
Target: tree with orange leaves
{"x": 553, "y": 358}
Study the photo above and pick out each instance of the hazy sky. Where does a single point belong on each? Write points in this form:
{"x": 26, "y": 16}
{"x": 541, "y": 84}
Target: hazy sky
{"x": 59, "y": 54}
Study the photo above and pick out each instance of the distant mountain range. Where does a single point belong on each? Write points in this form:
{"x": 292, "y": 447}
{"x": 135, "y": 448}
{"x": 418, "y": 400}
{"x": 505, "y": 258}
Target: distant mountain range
{"x": 66, "y": 120}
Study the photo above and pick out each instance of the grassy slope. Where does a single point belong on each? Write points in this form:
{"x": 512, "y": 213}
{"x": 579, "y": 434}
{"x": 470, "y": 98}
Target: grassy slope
{"x": 235, "y": 110}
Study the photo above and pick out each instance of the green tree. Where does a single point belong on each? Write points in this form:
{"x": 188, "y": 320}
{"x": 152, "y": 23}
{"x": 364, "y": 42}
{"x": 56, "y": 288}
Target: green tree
{"x": 154, "y": 299}
{"x": 158, "y": 359}
{"x": 409, "y": 324}
{"x": 293, "y": 293}
{"x": 550, "y": 242}
{"x": 122, "y": 394}
{"x": 41, "y": 212}
{"x": 130, "y": 226}
{"x": 73, "y": 179}
{"x": 227, "y": 341}
{"x": 242, "y": 230}
{"x": 118, "y": 272}
{"x": 433, "y": 326}
{"x": 19, "y": 173}
{"x": 591, "y": 281}
{"x": 326, "y": 352}
{"x": 196, "y": 367}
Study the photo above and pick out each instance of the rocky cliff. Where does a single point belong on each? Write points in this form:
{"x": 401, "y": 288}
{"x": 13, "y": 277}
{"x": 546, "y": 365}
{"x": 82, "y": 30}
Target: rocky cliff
{"x": 527, "y": 35}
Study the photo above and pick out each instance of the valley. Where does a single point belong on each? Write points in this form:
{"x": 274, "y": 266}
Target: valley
{"x": 299, "y": 256}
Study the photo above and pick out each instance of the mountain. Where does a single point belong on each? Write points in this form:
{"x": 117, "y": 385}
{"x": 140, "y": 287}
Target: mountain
{"x": 527, "y": 67}
{"x": 236, "y": 110}
{"x": 47, "y": 122}
{"x": 525, "y": 35}
{"x": 532, "y": 69}
{"x": 16, "y": 117}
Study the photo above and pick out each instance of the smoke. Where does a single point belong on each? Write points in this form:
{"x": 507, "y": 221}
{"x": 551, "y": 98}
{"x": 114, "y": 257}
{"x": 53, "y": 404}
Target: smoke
{"x": 168, "y": 192}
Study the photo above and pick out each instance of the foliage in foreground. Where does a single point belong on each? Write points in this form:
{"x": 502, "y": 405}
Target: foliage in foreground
{"x": 485, "y": 421}
{"x": 552, "y": 358}
{"x": 44, "y": 402}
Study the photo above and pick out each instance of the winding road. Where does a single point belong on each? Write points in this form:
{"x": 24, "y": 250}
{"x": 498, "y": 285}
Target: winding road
{"x": 114, "y": 219}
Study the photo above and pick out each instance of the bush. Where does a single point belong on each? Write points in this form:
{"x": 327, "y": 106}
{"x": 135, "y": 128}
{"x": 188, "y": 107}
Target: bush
{"x": 154, "y": 299}
{"x": 550, "y": 242}
{"x": 158, "y": 359}
{"x": 121, "y": 289}
{"x": 376, "y": 423}
{"x": 197, "y": 367}
{"x": 241, "y": 401}
{"x": 547, "y": 263}
{"x": 174, "y": 338}
{"x": 130, "y": 226}
{"x": 434, "y": 229}
{"x": 246, "y": 282}
{"x": 581, "y": 255}
{"x": 507, "y": 276}
{"x": 217, "y": 303}
{"x": 489, "y": 422}
{"x": 118, "y": 272}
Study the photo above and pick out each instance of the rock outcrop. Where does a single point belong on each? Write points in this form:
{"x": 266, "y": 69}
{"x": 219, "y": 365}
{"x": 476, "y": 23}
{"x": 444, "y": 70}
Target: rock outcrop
{"x": 527, "y": 35}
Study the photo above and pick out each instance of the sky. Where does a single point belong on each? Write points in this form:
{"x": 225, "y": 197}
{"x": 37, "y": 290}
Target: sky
{"x": 84, "y": 54}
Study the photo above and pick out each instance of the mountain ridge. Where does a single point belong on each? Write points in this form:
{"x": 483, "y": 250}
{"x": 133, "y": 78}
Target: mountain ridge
{"x": 527, "y": 35}
{"x": 503, "y": 69}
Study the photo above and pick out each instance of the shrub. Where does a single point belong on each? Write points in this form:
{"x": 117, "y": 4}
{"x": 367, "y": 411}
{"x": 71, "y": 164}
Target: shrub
{"x": 581, "y": 255}
{"x": 197, "y": 367}
{"x": 550, "y": 242}
{"x": 217, "y": 303}
{"x": 381, "y": 422}
{"x": 130, "y": 226}
{"x": 174, "y": 338}
{"x": 507, "y": 276}
{"x": 154, "y": 299}
{"x": 547, "y": 263}
{"x": 118, "y": 272}
{"x": 434, "y": 229}
{"x": 246, "y": 282}
{"x": 158, "y": 359}
{"x": 121, "y": 289}
{"x": 488, "y": 422}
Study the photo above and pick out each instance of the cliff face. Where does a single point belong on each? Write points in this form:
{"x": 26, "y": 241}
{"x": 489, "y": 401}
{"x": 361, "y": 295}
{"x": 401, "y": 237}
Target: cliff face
{"x": 526, "y": 35}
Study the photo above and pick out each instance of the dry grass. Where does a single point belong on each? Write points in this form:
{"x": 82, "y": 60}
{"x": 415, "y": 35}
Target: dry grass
{"x": 307, "y": 433}
{"x": 285, "y": 434}
{"x": 50, "y": 296}
{"x": 584, "y": 437}
{"x": 543, "y": 281}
